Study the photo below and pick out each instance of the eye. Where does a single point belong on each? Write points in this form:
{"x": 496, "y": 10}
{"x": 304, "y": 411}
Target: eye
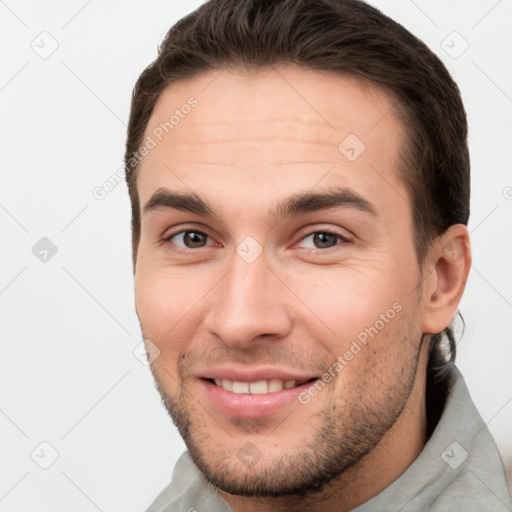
{"x": 188, "y": 239}
{"x": 322, "y": 240}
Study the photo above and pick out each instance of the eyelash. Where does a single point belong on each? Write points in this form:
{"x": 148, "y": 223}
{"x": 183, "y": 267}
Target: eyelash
{"x": 342, "y": 239}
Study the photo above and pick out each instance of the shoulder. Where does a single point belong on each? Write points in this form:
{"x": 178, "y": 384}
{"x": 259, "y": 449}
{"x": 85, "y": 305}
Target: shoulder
{"x": 188, "y": 491}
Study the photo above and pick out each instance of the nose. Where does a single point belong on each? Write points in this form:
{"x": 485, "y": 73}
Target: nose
{"x": 249, "y": 303}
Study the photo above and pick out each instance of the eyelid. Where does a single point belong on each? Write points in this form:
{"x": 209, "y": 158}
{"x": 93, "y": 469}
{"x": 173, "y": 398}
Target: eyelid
{"x": 167, "y": 238}
{"x": 344, "y": 239}
{"x": 312, "y": 228}
{"x": 312, "y": 231}
{"x": 181, "y": 227}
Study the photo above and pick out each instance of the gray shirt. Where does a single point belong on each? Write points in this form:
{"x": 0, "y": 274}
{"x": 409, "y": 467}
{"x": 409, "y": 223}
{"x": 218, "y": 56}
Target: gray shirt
{"x": 459, "y": 469}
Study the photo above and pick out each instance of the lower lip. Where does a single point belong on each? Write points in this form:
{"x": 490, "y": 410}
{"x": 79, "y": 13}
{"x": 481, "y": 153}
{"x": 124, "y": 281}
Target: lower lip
{"x": 245, "y": 405}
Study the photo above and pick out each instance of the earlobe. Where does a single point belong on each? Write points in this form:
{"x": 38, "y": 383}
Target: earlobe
{"x": 451, "y": 257}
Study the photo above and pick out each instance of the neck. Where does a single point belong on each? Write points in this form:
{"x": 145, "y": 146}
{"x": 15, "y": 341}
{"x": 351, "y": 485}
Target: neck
{"x": 396, "y": 451}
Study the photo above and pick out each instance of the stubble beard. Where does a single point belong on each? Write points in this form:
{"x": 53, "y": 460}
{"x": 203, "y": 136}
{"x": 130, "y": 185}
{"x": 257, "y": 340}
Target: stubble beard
{"x": 341, "y": 437}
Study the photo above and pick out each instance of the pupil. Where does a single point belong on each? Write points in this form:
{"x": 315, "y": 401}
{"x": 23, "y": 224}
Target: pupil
{"x": 323, "y": 240}
{"x": 193, "y": 239}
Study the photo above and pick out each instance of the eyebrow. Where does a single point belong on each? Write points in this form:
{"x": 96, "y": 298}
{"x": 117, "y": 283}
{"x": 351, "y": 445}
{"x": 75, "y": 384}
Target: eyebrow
{"x": 297, "y": 204}
{"x": 164, "y": 198}
{"x": 311, "y": 202}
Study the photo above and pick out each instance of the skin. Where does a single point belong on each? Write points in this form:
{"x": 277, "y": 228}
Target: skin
{"x": 254, "y": 139}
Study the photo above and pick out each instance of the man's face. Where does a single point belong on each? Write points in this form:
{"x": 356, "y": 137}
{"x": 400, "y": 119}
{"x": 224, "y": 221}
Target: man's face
{"x": 261, "y": 288}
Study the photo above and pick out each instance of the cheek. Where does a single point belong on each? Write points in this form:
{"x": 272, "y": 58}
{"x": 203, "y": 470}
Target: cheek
{"x": 380, "y": 360}
{"x": 165, "y": 304}
{"x": 152, "y": 299}
{"x": 345, "y": 300}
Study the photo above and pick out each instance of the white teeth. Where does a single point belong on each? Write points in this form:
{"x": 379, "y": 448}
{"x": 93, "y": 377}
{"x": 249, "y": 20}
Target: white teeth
{"x": 275, "y": 385}
{"x": 227, "y": 384}
{"x": 240, "y": 387}
{"x": 259, "y": 387}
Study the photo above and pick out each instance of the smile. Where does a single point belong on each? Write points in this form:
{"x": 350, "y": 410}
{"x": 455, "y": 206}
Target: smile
{"x": 259, "y": 387}
{"x": 255, "y": 399}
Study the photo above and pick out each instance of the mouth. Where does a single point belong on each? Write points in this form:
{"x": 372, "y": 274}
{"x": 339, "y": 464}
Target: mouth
{"x": 259, "y": 387}
{"x": 254, "y": 399}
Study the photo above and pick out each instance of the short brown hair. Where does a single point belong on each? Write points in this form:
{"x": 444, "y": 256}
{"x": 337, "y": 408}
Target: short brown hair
{"x": 347, "y": 37}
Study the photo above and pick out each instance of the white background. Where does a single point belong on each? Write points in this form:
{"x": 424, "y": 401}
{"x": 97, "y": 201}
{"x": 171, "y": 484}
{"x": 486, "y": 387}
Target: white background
{"x": 68, "y": 330}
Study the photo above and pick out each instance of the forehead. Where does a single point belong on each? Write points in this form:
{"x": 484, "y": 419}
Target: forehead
{"x": 278, "y": 127}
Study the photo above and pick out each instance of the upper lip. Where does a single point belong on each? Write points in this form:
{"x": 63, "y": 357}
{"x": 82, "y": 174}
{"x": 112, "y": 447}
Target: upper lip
{"x": 253, "y": 374}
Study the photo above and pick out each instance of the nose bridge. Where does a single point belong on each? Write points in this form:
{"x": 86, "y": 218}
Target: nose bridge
{"x": 247, "y": 304}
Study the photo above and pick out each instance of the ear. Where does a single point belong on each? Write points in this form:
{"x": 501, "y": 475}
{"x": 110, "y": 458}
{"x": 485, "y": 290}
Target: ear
{"x": 449, "y": 264}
